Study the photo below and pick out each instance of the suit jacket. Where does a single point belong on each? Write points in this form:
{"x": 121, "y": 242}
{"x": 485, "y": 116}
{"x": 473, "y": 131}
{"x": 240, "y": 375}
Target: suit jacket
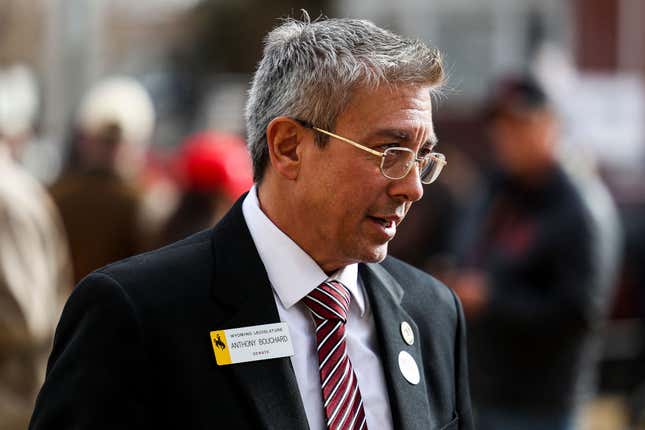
{"x": 133, "y": 349}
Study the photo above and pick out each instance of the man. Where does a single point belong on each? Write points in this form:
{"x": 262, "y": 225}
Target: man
{"x": 166, "y": 339}
{"x": 34, "y": 259}
{"x": 538, "y": 272}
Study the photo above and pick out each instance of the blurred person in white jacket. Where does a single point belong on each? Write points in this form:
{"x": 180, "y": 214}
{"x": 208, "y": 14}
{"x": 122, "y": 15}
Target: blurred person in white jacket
{"x": 35, "y": 274}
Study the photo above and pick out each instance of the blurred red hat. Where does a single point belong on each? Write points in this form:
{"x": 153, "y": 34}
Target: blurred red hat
{"x": 215, "y": 162}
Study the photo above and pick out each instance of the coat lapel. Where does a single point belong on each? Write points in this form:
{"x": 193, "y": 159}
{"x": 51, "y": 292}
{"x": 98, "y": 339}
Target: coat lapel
{"x": 242, "y": 291}
{"x": 410, "y": 403}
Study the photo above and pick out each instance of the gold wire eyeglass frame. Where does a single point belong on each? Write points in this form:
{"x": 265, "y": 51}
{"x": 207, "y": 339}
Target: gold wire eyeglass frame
{"x": 437, "y": 157}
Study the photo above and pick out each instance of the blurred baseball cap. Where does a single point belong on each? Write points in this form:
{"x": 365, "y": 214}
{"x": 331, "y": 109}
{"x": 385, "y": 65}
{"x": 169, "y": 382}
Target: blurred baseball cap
{"x": 211, "y": 161}
{"x": 516, "y": 96}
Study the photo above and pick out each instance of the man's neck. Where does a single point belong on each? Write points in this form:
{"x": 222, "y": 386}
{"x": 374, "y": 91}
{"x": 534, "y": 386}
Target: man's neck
{"x": 281, "y": 209}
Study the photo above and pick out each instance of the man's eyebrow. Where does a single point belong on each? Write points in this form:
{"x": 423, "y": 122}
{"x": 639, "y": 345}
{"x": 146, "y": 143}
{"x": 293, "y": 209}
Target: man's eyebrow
{"x": 392, "y": 133}
{"x": 404, "y": 136}
{"x": 399, "y": 134}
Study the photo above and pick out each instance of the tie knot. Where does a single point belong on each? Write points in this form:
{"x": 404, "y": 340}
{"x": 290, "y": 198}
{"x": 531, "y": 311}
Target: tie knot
{"x": 328, "y": 301}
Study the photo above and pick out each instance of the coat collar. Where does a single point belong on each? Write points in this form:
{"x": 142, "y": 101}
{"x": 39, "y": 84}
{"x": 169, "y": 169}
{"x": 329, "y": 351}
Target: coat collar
{"x": 409, "y": 403}
{"x": 244, "y": 296}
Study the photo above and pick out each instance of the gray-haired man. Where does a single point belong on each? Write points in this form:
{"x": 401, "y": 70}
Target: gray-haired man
{"x": 287, "y": 314}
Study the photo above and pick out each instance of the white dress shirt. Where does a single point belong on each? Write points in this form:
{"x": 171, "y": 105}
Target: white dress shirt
{"x": 293, "y": 274}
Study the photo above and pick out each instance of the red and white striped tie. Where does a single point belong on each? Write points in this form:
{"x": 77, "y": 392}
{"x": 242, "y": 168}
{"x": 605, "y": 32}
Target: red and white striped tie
{"x": 329, "y": 304}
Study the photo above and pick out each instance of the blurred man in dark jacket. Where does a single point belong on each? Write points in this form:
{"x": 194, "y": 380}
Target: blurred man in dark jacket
{"x": 97, "y": 195}
{"x": 537, "y": 273}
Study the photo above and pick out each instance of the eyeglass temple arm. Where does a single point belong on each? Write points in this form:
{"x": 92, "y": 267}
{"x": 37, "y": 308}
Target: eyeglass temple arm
{"x": 372, "y": 151}
{"x": 351, "y": 142}
{"x": 358, "y": 145}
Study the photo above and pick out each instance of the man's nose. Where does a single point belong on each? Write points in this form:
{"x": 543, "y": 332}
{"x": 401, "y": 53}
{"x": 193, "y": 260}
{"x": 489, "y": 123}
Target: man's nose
{"x": 409, "y": 188}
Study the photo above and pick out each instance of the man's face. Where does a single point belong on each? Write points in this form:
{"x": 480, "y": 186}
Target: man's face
{"x": 348, "y": 210}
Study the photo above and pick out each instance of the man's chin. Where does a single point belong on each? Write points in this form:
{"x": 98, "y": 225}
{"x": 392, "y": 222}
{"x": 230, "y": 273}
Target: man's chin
{"x": 376, "y": 254}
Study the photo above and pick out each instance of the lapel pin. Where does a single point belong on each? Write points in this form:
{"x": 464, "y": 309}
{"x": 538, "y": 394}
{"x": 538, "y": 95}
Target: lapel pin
{"x": 409, "y": 368}
{"x": 407, "y": 333}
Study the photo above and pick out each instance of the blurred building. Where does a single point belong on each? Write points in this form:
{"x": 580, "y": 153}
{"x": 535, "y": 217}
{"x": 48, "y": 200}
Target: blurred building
{"x": 195, "y": 56}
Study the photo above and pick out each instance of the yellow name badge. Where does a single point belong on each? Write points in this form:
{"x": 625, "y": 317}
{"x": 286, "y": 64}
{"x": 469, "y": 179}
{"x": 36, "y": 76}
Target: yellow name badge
{"x": 258, "y": 342}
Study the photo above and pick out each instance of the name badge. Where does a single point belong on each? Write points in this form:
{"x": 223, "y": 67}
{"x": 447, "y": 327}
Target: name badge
{"x": 258, "y": 342}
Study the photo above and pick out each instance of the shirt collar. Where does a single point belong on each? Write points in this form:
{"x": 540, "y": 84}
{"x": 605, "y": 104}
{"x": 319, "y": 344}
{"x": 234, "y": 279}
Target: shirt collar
{"x": 291, "y": 271}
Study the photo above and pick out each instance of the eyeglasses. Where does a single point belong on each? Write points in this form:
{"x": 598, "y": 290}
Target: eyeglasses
{"x": 397, "y": 162}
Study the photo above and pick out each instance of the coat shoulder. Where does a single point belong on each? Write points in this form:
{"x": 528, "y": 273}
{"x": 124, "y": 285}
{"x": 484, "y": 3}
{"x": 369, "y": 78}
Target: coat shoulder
{"x": 181, "y": 255}
{"x": 421, "y": 289}
{"x": 179, "y": 270}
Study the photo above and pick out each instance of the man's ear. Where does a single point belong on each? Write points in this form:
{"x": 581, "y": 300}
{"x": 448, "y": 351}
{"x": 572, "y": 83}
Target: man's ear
{"x": 284, "y": 139}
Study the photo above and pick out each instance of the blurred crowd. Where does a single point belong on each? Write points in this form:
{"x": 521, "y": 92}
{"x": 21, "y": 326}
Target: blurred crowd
{"x": 110, "y": 201}
{"x": 534, "y": 246}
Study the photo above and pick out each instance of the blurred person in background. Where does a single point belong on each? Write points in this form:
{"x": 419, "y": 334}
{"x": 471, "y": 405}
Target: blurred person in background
{"x": 34, "y": 259}
{"x": 98, "y": 196}
{"x": 214, "y": 169}
{"x": 539, "y": 262}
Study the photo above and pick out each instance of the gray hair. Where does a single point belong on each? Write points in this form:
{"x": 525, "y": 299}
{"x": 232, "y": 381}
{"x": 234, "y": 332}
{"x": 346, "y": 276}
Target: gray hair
{"x": 309, "y": 71}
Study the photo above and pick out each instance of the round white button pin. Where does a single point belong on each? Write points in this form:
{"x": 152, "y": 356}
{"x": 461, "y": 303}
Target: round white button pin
{"x": 407, "y": 333}
{"x": 409, "y": 368}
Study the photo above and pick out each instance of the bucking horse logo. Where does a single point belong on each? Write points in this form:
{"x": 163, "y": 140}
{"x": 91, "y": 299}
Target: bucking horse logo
{"x": 219, "y": 343}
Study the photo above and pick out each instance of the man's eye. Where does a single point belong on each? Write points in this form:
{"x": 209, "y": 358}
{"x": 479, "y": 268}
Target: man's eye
{"x": 424, "y": 152}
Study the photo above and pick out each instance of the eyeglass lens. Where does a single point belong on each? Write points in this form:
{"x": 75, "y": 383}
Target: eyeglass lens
{"x": 397, "y": 163}
{"x": 431, "y": 171}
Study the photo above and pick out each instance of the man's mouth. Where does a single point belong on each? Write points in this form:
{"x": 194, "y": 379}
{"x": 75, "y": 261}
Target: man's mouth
{"x": 390, "y": 221}
{"x": 387, "y": 223}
